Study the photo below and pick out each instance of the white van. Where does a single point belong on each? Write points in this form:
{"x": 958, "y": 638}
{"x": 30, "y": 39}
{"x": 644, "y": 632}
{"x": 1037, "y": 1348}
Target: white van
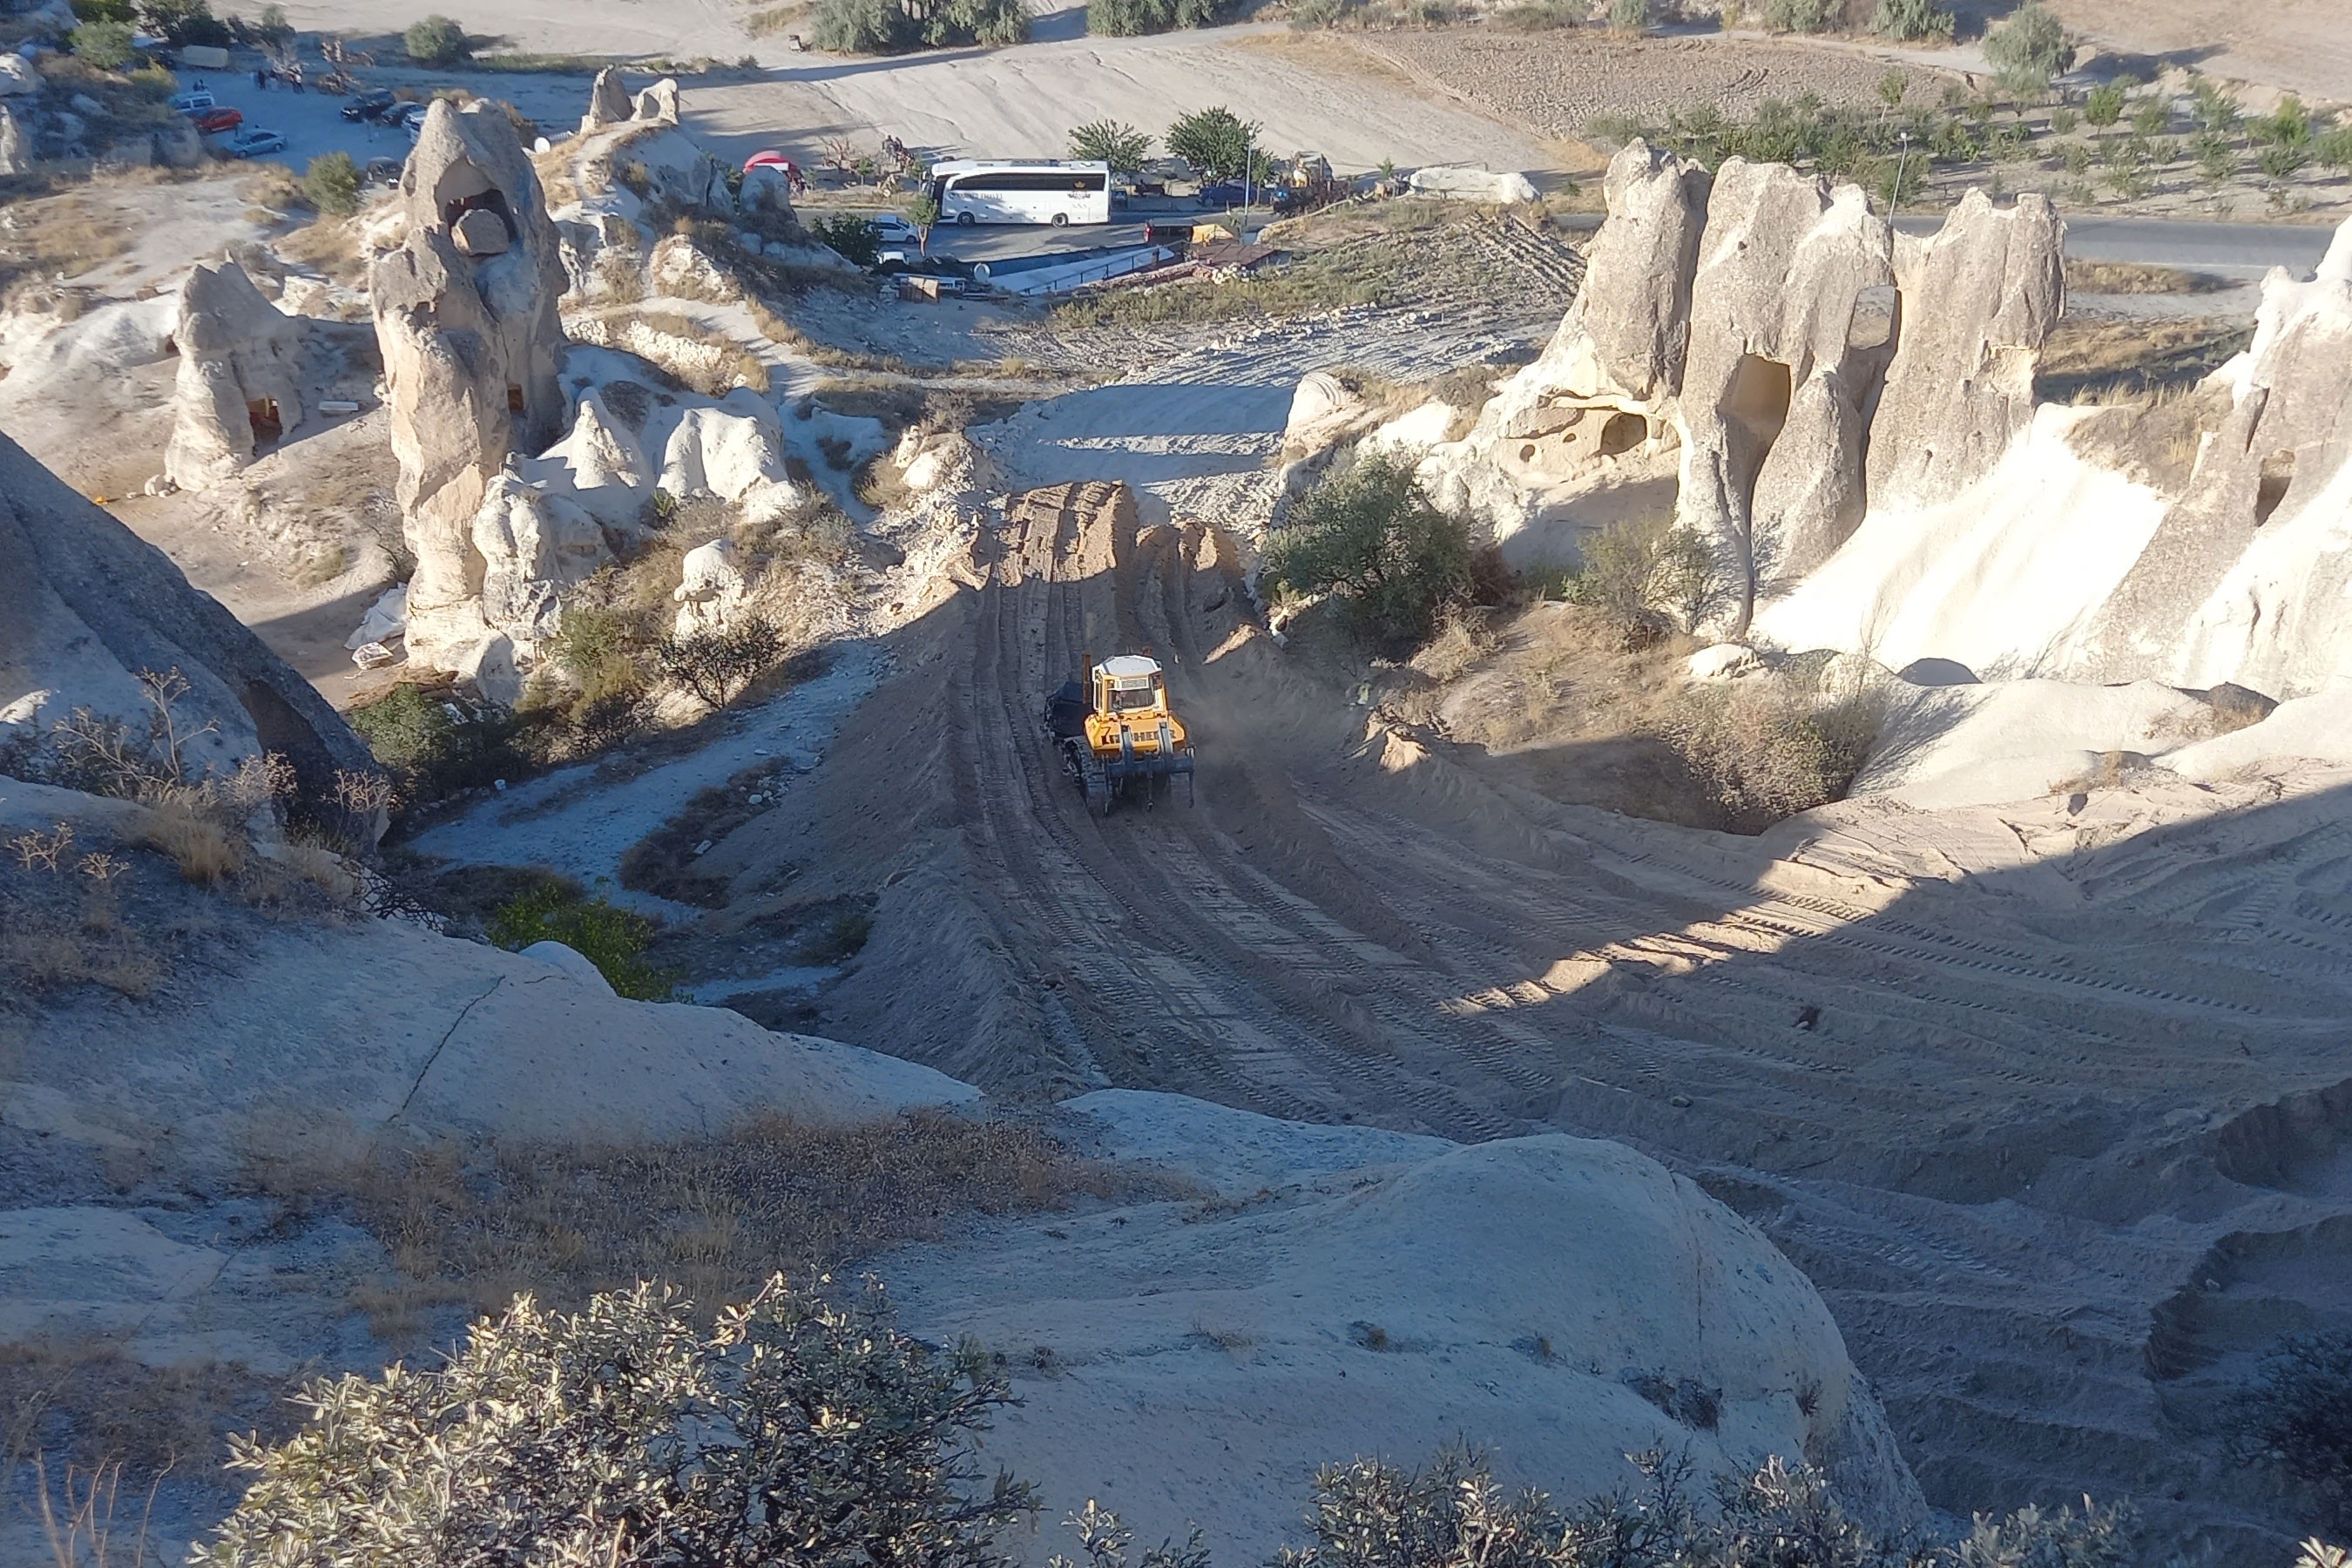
{"x": 192, "y": 103}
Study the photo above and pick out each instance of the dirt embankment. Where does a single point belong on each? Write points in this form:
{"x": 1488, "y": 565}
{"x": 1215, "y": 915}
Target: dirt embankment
{"x": 1961, "y": 1067}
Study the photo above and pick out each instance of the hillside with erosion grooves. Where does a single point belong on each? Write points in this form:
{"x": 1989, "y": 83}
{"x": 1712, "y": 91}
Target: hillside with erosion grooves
{"x": 2000, "y": 1080}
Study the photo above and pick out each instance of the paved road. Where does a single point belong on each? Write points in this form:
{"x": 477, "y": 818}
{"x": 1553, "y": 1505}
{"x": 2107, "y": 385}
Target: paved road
{"x": 2231, "y": 249}
{"x": 2237, "y": 250}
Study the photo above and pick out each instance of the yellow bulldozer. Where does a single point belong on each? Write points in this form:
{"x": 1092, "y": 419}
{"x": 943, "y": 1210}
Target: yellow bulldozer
{"x": 1116, "y": 736}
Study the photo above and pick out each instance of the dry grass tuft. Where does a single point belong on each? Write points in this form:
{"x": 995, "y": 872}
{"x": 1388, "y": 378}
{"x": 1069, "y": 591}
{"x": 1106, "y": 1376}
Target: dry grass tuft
{"x": 49, "y": 950}
{"x": 196, "y": 841}
{"x": 2134, "y": 278}
{"x": 717, "y": 1214}
{"x": 2087, "y": 359}
{"x": 87, "y": 1400}
{"x": 1768, "y": 748}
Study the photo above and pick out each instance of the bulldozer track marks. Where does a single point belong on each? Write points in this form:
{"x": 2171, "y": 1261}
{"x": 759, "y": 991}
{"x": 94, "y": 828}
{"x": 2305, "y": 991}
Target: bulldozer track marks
{"x": 1319, "y": 941}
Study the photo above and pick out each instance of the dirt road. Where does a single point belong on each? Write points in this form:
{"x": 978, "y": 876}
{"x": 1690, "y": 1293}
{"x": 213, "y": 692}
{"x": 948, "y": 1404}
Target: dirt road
{"x": 2041, "y": 1100}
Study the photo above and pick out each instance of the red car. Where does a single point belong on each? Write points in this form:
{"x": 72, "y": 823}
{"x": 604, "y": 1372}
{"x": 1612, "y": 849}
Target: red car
{"x": 212, "y": 122}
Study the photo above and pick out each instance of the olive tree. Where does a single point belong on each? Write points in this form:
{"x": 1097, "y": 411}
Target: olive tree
{"x": 2028, "y": 48}
{"x": 624, "y": 1436}
{"x": 1372, "y": 537}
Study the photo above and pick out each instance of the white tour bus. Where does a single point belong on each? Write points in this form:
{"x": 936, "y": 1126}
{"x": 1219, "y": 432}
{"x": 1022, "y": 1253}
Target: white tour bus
{"x": 975, "y": 190}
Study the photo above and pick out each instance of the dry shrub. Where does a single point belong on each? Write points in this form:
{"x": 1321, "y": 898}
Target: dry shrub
{"x": 203, "y": 848}
{"x": 1767, "y": 748}
{"x": 2134, "y": 278}
{"x": 717, "y": 1215}
{"x": 83, "y": 1398}
{"x": 1464, "y": 636}
{"x": 49, "y": 950}
{"x": 331, "y": 245}
{"x": 2090, "y": 359}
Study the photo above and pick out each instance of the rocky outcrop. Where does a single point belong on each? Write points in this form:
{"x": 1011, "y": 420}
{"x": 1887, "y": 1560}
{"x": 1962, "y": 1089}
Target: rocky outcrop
{"x": 466, "y": 316}
{"x": 1771, "y": 406}
{"x": 2195, "y": 542}
{"x": 608, "y": 101}
{"x": 658, "y": 103}
{"x": 240, "y": 382}
{"x": 711, "y": 591}
{"x": 1598, "y": 1304}
{"x": 15, "y": 145}
{"x": 2271, "y": 496}
{"x": 1976, "y": 301}
{"x": 1801, "y": 366}
{"x": 86, "y": 605}
{"x": 1623, "y": 341}
{"x": 766, "y": 189}
{"x": 532, "y": 545}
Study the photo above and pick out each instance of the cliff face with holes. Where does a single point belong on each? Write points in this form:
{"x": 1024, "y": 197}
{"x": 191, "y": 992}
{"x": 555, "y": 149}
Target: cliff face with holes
{"x": 466, "y": 316}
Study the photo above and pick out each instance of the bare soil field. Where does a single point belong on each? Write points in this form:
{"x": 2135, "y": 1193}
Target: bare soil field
{"x": 1559, "y": 82}
{"x": 2300, "y": 45}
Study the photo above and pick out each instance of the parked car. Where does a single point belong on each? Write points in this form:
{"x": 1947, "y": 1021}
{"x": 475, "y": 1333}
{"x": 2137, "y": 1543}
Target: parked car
{"x": 256, "y": 143}
{"x": 382, "y": 171}
{"x": 369, "y": 106}
{"x": 405, "y": 116}
{"x": 1227, "y": 194}
{"x": 892, "y": 229}
{"x": 192, "y": 103}
{"x": 212, "y": 122}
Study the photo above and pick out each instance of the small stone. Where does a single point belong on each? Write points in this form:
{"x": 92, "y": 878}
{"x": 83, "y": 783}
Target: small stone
{"x": 1680, "y": 1103}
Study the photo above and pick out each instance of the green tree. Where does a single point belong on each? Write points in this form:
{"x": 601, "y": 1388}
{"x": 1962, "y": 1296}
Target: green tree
{"x": 2288, "y": 125}
{"x": 2216, "y": 160}
{"x": 614, "y": 939}
{"x": 1216, "y": 142}
{"x": 1796, "y": 15}
{"x": 2031, "y": 47}
{"x": 331, "y": 184}
{"x": 887, "y": 28}
{"x": 855, "y": 238}
{"x": 182, "y": 22}
{"x": 1891, "y": 87}
{"x": 923, "y": 212}
{"x": 2103, "y": 105}
{"x": 2151, "y": 115}
{"x": 273, "y": 29}
{"x": 2332, "y": 147}
{"x": 2216, "y": 107}
{"x": 1125, "y": 18}
{"x": 2280, "y": 161}
{"x": 1630, "y": 16}
{"x": 106, "y": 45}
{"x": 1912, "y": 21}
{"x": 1370, "y": 536}
{"x": 1111, "y": 141}
{"x": 793, "y": 1430}
{"x": 437, "y": 41}
{"x": 719, "y": 664}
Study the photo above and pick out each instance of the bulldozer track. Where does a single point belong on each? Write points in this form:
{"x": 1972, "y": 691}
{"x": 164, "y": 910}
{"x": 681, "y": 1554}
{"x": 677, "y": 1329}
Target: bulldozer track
{"x": 1336, "y": 934}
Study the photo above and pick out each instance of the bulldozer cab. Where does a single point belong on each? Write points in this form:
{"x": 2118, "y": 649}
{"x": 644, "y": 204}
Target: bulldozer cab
{"x": 1129, "y": 685}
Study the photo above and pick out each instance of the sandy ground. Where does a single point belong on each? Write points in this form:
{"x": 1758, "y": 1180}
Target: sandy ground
{"x": 1022, "y": 102}
{"x": 1560, "y": 80}
{"x": 2302, "y": 46}
{"x": 2000, "y": 1079}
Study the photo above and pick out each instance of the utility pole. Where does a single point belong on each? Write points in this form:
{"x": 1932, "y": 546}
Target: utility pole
{"x": 1902, "y": 162}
